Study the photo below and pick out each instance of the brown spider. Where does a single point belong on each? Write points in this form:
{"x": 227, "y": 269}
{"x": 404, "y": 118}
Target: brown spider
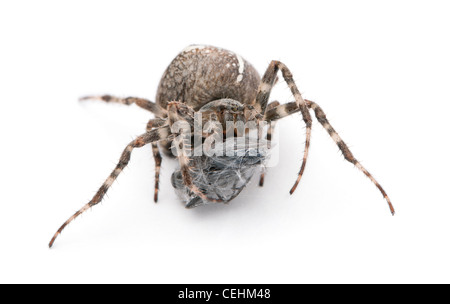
{"x": 222, "y": 87}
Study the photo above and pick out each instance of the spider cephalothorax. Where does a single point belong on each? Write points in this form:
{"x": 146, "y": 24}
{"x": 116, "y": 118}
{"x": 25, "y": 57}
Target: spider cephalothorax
{"x": 208, "y": 100}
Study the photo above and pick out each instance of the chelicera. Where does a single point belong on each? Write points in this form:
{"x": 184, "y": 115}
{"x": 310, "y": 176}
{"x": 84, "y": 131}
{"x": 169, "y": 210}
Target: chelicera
{"x": 223, "y": 94}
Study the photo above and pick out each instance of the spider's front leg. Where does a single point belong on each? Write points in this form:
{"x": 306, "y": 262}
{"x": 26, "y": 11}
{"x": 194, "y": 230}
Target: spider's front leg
{"x": 150, "y": 137}
{"x": 262, "y": 97}
{"x": 292, "y": 107}
{"x": 181, "y": 119}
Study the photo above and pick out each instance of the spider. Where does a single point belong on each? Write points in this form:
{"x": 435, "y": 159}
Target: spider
{"x": 221, "y": 87}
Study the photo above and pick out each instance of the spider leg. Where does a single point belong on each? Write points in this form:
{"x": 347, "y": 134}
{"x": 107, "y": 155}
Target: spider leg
{"x": 184, "y": 160}
{"x": 140, "y": 141}
{"x": 154, "y": 123}
{"x": 182, "y": 144}
{"x": 321, "y": 117}
{"x": 262, "y": 98}
{"x": 147, "y": 105}
{"x": 291, "y": 108}
{"x": 271, "y": 105}
{"x": 140, "y": 102}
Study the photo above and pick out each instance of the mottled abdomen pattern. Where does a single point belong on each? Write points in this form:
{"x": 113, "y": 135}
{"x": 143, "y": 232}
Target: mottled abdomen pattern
{"x": 200, "y": 74}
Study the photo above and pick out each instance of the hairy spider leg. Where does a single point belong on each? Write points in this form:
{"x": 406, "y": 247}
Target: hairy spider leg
{"x": 142, "y": 140}
{"x": 262, "y": 98}
{"x": 182, "y": 143}
{"x": 155, "y": 123}
{"x": 270, "y": 129}
{"x": 140, "y": 102}
{"x": 291, "y": 108}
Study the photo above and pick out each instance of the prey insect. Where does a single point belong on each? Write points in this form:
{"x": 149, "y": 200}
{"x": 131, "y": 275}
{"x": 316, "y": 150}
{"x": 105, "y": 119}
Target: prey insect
{"x": 219, "y": 89}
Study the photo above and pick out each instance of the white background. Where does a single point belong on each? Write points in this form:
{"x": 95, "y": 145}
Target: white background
{"x": 379, "y": 69}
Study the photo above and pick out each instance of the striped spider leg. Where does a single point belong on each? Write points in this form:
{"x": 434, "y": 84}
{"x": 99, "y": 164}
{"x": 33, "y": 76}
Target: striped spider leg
{"x": 140, "y": 102}
{"x": 156, "y": 123}
{"x": 292, "y": 107}
{"x": 262, "y": 97}
{"x": 271, "y": 105}
{"x": 148, "y": 105}
{"x": 155, "y": 135}
{"x": 181, "y": 120}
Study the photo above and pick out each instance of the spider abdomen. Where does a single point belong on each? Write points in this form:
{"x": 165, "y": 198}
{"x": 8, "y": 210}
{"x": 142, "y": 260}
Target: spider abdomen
{"x": 200, "y": 74}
